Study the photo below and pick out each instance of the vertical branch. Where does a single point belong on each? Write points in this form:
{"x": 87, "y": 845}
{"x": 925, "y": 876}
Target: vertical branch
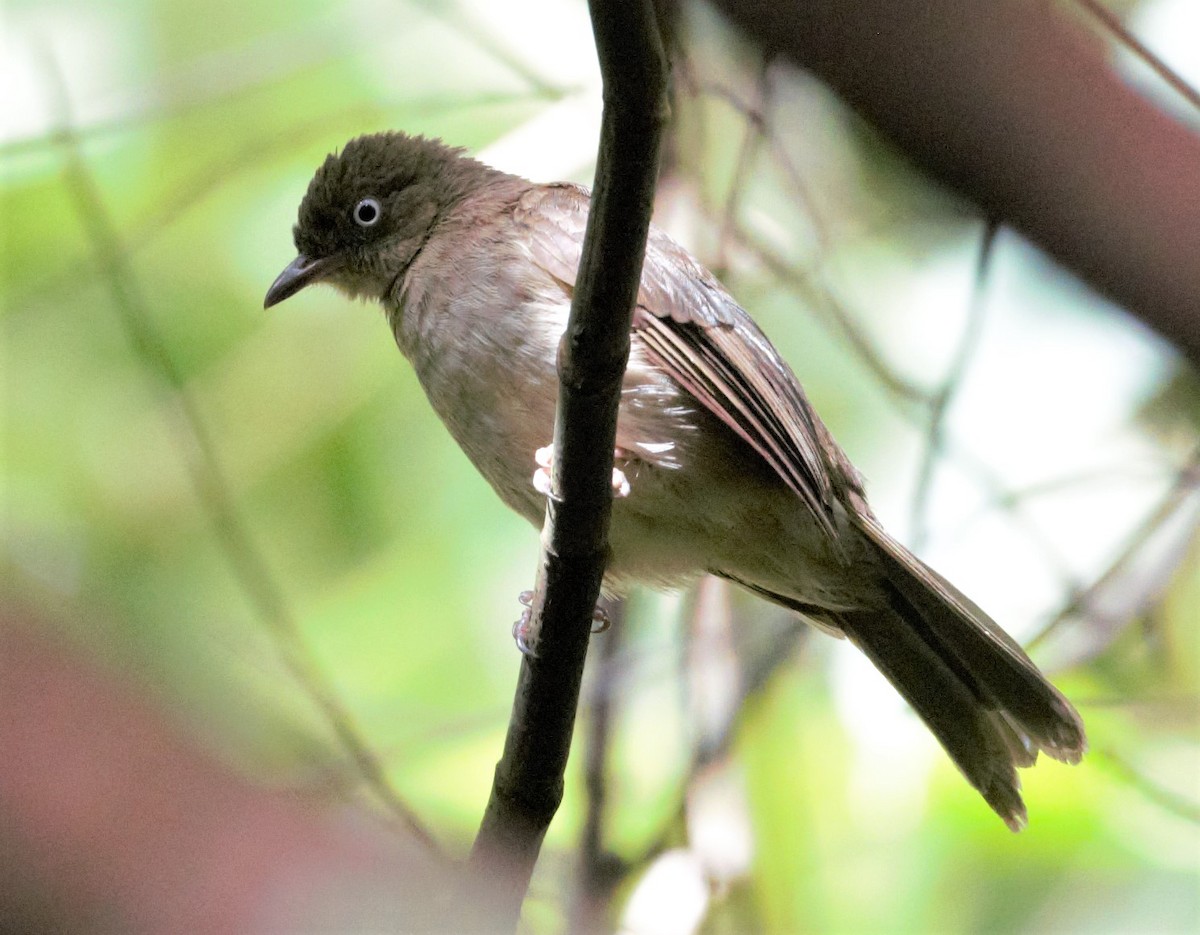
{"x": 528, "y": 783}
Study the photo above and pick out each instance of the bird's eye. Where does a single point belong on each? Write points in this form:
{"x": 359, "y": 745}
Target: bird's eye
{"x": 367, "y": 212}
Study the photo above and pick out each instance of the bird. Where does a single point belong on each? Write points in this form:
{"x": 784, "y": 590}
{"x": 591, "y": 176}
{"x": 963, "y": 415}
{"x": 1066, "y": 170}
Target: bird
{"x": 725, "y": 467}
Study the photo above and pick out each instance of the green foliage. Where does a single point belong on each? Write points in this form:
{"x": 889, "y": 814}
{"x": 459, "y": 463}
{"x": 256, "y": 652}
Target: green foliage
{"x": 199, "y": 125}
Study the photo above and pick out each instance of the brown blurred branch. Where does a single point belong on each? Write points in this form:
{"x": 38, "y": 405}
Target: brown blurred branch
{"x": 592, "y": 355}
{"x": 111, "y": 820}
{"x": 1017, "y": 108}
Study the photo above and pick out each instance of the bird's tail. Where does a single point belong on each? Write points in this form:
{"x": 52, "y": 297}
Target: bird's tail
{"x": 983, "y": 698}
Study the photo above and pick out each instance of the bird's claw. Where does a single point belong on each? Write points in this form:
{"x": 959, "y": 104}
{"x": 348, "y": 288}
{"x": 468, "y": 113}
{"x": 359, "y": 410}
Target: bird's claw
{"x": 545, "y": 460}
{"x": 522, "y": 629}
{"x": 620, "y": 483}
{"x": 600, "y": 620}
{"x": 544, "y": 457}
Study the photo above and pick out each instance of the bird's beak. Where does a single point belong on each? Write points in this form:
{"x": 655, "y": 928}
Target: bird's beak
{"x": 301, "y": 272}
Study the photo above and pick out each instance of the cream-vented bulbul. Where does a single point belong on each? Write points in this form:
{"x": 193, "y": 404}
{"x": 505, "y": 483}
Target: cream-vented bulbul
{"x": 731, "y": 472}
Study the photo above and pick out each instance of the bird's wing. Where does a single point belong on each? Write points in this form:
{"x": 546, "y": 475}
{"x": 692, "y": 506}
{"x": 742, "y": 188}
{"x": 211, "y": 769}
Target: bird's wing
{"x": 694, "y": 330}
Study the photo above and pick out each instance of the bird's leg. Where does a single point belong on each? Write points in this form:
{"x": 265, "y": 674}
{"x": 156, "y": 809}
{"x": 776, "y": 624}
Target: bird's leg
{"x": 522, "y": 629}
{"x": 545, "y": 460}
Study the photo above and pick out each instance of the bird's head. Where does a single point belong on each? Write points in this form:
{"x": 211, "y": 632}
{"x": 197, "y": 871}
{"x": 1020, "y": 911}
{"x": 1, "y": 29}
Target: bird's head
{"x": 368, "y": 211}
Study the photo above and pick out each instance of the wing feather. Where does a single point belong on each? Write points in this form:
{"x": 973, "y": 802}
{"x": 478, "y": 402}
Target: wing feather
{"x": 692, "y": 328}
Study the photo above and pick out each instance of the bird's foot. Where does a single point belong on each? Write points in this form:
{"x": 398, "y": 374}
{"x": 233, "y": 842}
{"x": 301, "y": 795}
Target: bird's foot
{"x": 600, "y": 621}
{"x": 522, "y": 630}
{"x": 545, "y": 460}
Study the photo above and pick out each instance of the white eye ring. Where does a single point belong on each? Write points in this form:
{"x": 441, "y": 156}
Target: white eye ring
{"x": 367, "y": 212}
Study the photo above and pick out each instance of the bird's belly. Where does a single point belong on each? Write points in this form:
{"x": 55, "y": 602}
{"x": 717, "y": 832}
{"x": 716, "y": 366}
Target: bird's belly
{"x": 500, "y": 429}
{"x": 700, "y": 501}
{"x": 730, "y": 515}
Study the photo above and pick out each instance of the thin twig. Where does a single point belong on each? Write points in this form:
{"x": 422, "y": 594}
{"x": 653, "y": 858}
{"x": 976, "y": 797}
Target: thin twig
{"x": 1074, "y": 481}
{"x": 1187, "y": 481}
{"x": 818, "y": 297}
{"x": 757, "y": 120}
{"x": 761, "y": 658}
{"x": 1113, "y": 24}
{"x": 909, "y": 400}
{"x": 210, "y": 80}
{"x": 200, "y": 455}
{"x": 224, "y": 77}
{"x": 943, "y": 398}
{"x": 751, "y": 141}
{"x": 1175, "y": 804}
{"x": 465, "y": 25}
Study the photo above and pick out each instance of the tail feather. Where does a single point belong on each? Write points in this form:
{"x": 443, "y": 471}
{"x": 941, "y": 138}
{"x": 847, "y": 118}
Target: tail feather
{"x": 972, "y": 684}
{"x": 1004, "y": 675}
{"x": 1023, "y": 751}
{"x": 979, "y": 744}
{"x": 969, "y": 681}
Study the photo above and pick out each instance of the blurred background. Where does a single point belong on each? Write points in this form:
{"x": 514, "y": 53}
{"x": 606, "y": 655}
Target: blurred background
{"x": 254, "y": 521}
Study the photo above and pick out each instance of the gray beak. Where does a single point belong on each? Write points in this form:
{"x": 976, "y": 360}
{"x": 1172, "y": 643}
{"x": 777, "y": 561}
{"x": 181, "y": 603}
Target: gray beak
{"x": 300, "y": 272}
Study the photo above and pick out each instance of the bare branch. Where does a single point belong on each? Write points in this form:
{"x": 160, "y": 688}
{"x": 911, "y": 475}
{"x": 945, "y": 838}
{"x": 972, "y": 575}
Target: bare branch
{"x": 816, "y": 295}
{"x": 528, "y": 783}
{"x": 112, "y": 820}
